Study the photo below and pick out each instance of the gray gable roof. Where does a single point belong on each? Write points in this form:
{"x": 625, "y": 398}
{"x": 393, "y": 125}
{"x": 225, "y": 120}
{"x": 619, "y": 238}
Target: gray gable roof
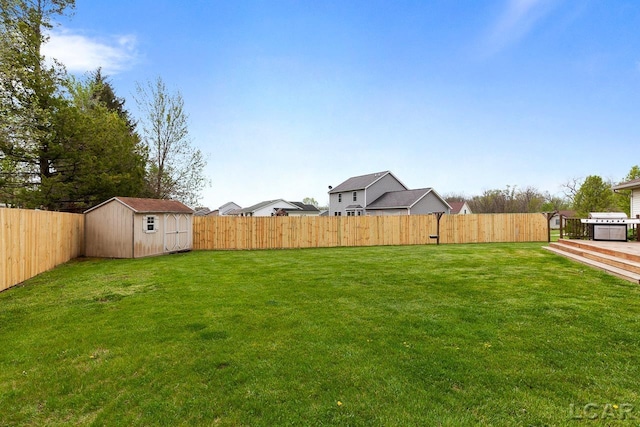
{"x": 399, "y": 199}
{"x": 305, "y": 207}
{"x": 361, "y": 182}
{"x": 257, "y": 206}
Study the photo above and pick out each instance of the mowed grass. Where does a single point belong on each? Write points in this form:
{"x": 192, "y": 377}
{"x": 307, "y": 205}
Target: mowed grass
{"x": 502, "y": 334}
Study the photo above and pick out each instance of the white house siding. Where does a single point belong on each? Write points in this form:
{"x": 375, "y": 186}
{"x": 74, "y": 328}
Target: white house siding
{"x": 635, "y": 202}
{"x": 304, "y": 213}
{"x": 465, "y": 210}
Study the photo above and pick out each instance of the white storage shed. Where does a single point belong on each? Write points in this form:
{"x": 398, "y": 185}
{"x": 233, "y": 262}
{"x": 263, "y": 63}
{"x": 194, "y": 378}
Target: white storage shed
{"x": 129, "y": 227}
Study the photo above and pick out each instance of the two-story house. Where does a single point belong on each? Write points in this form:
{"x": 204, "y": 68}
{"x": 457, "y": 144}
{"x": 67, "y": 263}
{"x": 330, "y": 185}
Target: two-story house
{"x": 382, "y": 193}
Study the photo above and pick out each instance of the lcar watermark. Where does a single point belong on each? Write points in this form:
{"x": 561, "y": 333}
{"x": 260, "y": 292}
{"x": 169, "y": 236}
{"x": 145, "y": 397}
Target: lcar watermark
{"x": 603, "y": 411}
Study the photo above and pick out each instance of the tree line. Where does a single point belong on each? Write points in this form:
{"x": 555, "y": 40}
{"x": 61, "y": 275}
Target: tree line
{"x": 591, "y": 194}
{"x": 68, "y": 144}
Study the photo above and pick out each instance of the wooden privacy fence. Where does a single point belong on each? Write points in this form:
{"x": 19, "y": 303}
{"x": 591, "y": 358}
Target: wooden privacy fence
{"x": 35, "y": 241}
{"x": 32, "y": 242}
{"x": 313, "y": 232}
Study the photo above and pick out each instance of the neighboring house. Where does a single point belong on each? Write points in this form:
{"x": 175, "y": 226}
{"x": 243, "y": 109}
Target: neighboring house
{"x": 634, "y": 186}
{"x": 382, "y": 193}
{"x": 352, "y": 196}
{"x": 202, "y": 211}
{"x": 267, "y": 208}
{"x": 129, "y": 227}
{"x": 303, "y": 210}
{"x": 228, "y": 208}
{"x": 554, "y": 221}
{"x": 460, "y": 208}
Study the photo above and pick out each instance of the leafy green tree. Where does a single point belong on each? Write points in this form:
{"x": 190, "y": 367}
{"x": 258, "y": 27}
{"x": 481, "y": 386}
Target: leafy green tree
{"x": 30, "y": 96}
{"x": 594, "y": 195}
{"x": 623, "y": 197}
{"x": 555, "y": 203}
{"x": 64, "y": 145}
{"x": 513, "y": 200}
{"x": 175, "y": 168}
{"x": 310, "y": 201}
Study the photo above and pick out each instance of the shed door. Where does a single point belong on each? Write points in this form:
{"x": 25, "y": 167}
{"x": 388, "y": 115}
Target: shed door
{"x": 176, "y": 228}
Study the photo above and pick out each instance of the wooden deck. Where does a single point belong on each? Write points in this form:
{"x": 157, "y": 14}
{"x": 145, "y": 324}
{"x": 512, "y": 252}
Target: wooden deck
{"x": 621, "y": 259}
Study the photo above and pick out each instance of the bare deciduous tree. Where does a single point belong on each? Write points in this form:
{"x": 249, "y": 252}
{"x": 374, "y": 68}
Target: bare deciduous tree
{"x": 175, "y": 168}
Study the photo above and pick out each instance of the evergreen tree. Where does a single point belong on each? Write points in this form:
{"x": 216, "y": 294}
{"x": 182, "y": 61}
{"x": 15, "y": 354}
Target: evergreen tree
{"x": 103, "y": 92}
{"x": 102, "y": 157}
{"x": 30, "y": 97}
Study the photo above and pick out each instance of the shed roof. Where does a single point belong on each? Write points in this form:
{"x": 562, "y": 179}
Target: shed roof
{"x": 140, "y": 205}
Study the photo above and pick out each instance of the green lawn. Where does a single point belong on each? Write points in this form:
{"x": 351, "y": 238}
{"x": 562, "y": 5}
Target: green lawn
{"x": 502, "y": 334}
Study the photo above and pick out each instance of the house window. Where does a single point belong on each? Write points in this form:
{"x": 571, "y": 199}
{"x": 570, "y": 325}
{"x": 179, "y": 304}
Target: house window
{"x": 349, "y": 213}
{"x": 355, "y": 196}
{"x": 150, "y": 224}
{"x": 339, "y": 197}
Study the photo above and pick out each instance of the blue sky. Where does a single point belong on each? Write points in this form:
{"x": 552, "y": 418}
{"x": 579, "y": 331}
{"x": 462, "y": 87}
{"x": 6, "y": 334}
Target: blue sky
{"x": 288, "y": 97}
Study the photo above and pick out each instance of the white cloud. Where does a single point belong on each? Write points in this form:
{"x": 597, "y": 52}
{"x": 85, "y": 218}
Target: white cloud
{"x": 518, "y": 18}
{"x": 80, "y": 53}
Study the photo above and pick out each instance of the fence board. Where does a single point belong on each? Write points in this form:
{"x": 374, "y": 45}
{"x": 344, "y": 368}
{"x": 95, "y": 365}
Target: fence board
{"x": 35, "y": 241}
{"x": 303, "y": 232}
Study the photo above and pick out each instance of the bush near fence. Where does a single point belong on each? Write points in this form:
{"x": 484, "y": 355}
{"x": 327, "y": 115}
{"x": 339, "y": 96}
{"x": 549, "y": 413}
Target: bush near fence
{"x": 32, "y": 242}
{"x": 219, "y": 233}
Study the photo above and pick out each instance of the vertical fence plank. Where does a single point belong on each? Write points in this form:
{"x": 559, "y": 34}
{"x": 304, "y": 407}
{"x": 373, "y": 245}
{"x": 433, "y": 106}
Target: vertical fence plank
{"x": 32, "y": 242}
{"x": 304, "y": 232}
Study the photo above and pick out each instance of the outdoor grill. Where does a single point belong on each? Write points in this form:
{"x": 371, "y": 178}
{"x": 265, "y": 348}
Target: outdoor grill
{"x": 609, "y": 225}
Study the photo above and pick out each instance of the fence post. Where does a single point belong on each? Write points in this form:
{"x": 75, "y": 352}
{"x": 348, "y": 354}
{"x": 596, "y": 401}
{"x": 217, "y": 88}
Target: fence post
{"x": 549, "y": 215}
{"x": 437, "y": 236}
